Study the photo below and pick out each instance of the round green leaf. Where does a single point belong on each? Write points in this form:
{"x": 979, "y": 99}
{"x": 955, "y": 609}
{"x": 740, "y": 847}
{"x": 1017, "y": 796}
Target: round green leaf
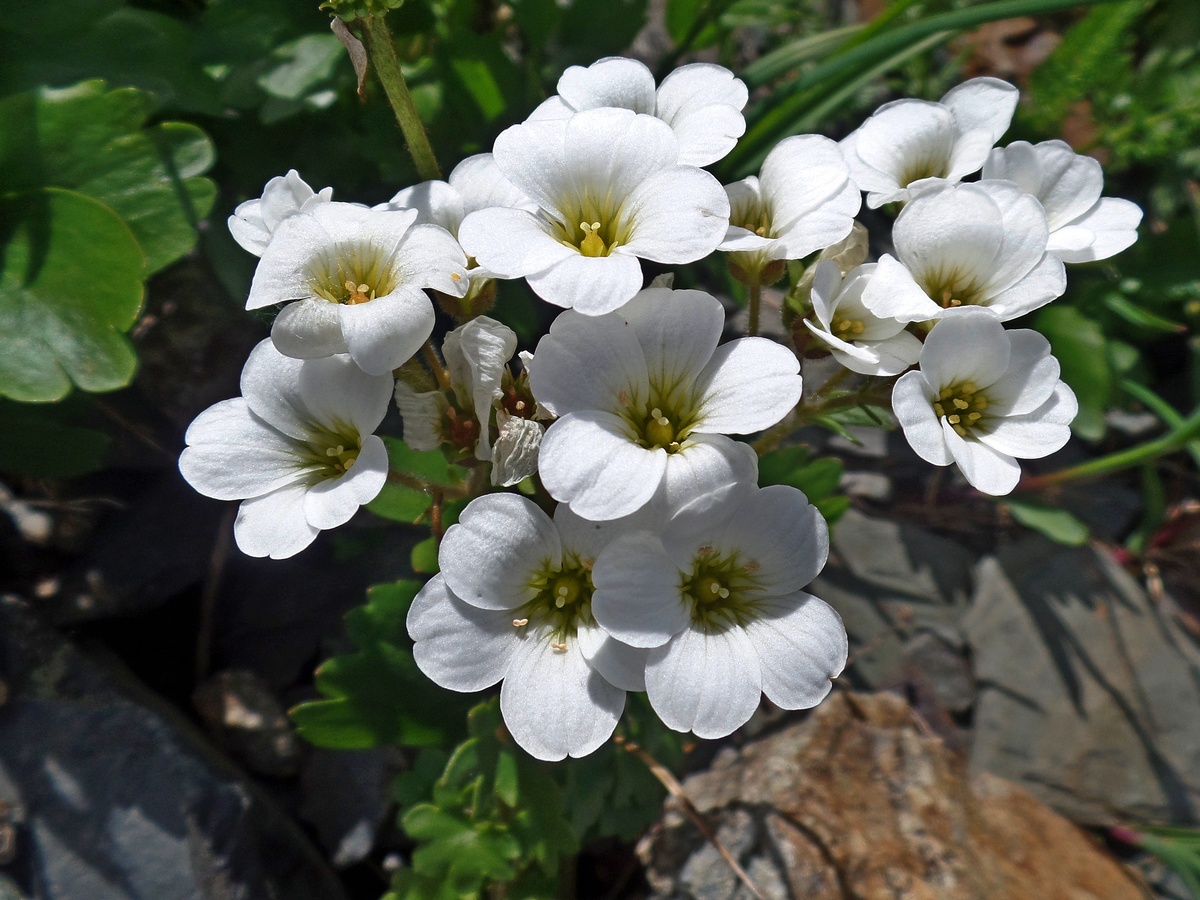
{"x": 70, "y": 286}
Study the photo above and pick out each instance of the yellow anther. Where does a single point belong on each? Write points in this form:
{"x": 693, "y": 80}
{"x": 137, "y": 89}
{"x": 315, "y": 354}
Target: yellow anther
{"x": 954, "y": 420}
{"x": 561, "y": 648}
{"x": 974, "y": 417}
{"x": 520, "y": 623}
{"x": 960, "y": 404}
{"x": 454, "y": 276}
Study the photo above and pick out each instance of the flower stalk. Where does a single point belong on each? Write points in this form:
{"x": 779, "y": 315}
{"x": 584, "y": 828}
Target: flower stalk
{"x": 382, "y": 51}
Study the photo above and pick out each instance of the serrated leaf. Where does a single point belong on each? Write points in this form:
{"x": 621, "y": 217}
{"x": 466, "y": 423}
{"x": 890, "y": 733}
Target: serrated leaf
{"x": 400, "y": 503}
{"x": 465, "y": 850}
{"x": 382, "y": 618}
{"x": 1056, "y": 524}
{"x": 70, "y": 287}
{"x": 92, "y": 140}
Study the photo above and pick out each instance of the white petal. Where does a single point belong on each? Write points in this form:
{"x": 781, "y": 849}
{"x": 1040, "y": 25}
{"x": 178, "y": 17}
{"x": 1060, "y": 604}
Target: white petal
{"x": 247, "y": 227}
{"x": 826, "y": 286}
{"x": 511, "y": 243}
{"x": 588, "y": 461}
{"x": 782, "y": 532}
{"x": 678, "y": 332}
{"x": 749, "y": 385}
{"x": 892, "y": 293}
{"x": 477, "y": 354}
{"x": 593, "y": 285}
{"x": 1114, "y": 223}
{"x": 430, "y": 257}
{"x": 274, "y": 525}
{"x": 459, "y": 646}
{"x": 614, "y": 81}
{"x": 620, "y": 664}
{"x": 970, "y": 346}
{"x": 421, "y": 415}
{"x": 270, "y": 383}
{"x": 515, "y": 453}
{"x": 308, "y": 329}
{"x": 709, "y": 684}
{"x": 1025, "y": 234}
{"x": 986, "y": 103}
{"x": 637, "y": 598}
{"x": 232, "y": 454}
{"x": 913, "y": 408}
{"x": 334, "y": 501}
{"x": 283, "y": 271}
{"x": 481, "y": 185}
{"x": 988, "y": 470}
{"x": 801, "y": 645}
{"x": 1037, "y": 434}
{"x": 969, "y": 154}
{"x": 588, "y": 362}
{"x": 825, "y": 226}
{"x": 338, "y": 394}
{"x": 805, "y": 174}
{"x": 952, "y": 229}
{"x": 676, "y": 215}
{"x": 436, "y": 202}
{"x": 1030, "y": 378}
{"x": 888, "y": 357}
{"x": 903, "y": 141}
{"x": 530, "y": 156}
{"x": 703, "y": 104}
{"x": 554, "y": 703}
{"x": 384, "y": 333}
{"x": 490, "y": 556}
{"x": 704, "y": 463}
{"x": 615, "y": 150}
{"x": 1047, "y": 280}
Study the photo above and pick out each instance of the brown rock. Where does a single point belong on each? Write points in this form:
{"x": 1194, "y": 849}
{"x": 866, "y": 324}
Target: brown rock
{"x": 860, "y": 801}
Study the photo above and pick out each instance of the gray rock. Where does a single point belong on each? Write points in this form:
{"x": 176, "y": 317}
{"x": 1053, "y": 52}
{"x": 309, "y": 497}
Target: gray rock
{"x": 120, "y": 798}
{"x": 1089, "y": 693}
{"x": 347, "y": 799}
{"x": 248, "y": 722}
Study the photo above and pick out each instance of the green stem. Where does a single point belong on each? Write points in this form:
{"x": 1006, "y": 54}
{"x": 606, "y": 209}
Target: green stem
{"x": 817, "y": 406}
{"x": 382, "y": 50}
{"x": 1176, "y": 439}
{"x": 755, "y": 305}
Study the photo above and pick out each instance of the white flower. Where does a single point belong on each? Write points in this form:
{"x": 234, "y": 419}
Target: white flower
{"x": 1084, "y": 226}
{"x": 984, "y": 397}
{"x": 716, "y": 597}
{"x": 297, "y": 448}
{"x": 859, "y": 340}
{"x": 907, "y": 141}
{"x": 515, "y": 453}
{"x": 359, "y": 276}
{"x": 646, "y": 398}
{"x": 981, "y": 244}
{"x": 254, "y": 221}
{"x": 513, "y": 602}
{"x": 475, "y": 183}
{"x": 803, "y": 202}
{"x": 701, "y": 102}
{"x": 610, "y": 191}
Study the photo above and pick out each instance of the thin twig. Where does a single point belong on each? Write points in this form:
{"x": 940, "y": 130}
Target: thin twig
{"x": 212, "y": 588}
{"x": 675, "y": 789}
{"x": 435, "y": 364}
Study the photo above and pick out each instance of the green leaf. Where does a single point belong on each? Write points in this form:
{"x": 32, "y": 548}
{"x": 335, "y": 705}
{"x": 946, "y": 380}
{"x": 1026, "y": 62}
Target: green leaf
{"x": 1056, "y": 524}
{"x": 425, "y": 557}
{"x": 507, "y": 784}
{"x": 1143, "y": 318}
{"x": 36, "y": 440}
{"x": 428, "y": 466}
{"x": 375, "y": 698}
{"x": 70, "y": 286}
{"x": 94, "y": 141}
{"x": 1078, "y": 343}
{"x": 382, "y": 618}
{"x": 774, "y": 467}
{"x": 304, "y": 64}
{"x": 462, "y": 849}
{"x": 400, "y": 503}
{"x": 832, "y": 508}
{"x": 685, "y": 18}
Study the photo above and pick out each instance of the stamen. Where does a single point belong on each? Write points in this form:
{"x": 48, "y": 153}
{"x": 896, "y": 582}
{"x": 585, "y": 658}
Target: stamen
{"x": 520, "y": 623}
{"x": 592, "y": 244}
{"x": 561, "y": 648}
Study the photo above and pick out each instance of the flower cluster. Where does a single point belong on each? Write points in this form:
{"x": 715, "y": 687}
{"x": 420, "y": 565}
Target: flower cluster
{"x": 663, "y": 566}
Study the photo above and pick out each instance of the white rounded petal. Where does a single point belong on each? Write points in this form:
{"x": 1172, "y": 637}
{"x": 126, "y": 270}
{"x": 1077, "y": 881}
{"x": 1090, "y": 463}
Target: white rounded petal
{"x": 826, "y": 286}
{"x": 421, "y": 414}
{"x": 588, "y": 461}
{"x": 825, "y": 226}
{"x": 430, "y": 257}
{"x": 886, "y": 358}
{"x": 782, "y": 532}
{"x": 1114, "y": 223}
{"x": 749, "y": 385}
{"x": 1030, "y": 378}
{"x": 913, "y": 408}
{"x": 969, "y": 155}
{"x": 892, "y": 293}
{"x": 382, "y": 229}
{"x": 1040, "y": 433}
{"x": 515, "y": 453}
{"x": 308, "y": 329}
{"x": 803, "y": 174}
{"x": 1046, "y": 281}
{"x": 802, "y": 646}
{"x": 511, "y": 243}
{"x": 706, "y": 683}
{"x": 337, "y": 393}
{"x": 232, "y": 454}
{"x": 436, "y": 202}
{"x": 477, "y": 355}
{"x": 274, "y": 524}
{"x": 985, "y": 103}
{"x": 459, "y": 646}
{"x": 675, "y": 215}
{"x": 678, "y": 332}
{"x": 707, "y": 135}
{"x": 612, "y": 151}
{"x": 270, "y": 383}
{"x": 637, "y": 598}
{"x": 613, "y": 81}
{"x": 988, "y": 470}
{"x": 554, "y": 703}
{"x": 704, "y": 463}
{"x": 703, "y": 103}
{"x": 384, "y": 333}
{"x": 1066, "y": 183}
{"x": 334, "y": 501}
{"x": 593, "y": 285}
{"x": 489, "y": 557}
{"x": 951, "y": 229}
{"x": 969, "y": 346}
{"x": 282, "y": 273}
{"x": 1025, "y": 234}
{"x": 588, "y": 362}
{"x": 530, "y": 156}
{"x": 904, "y": 141}
{"x": 620, "y": 664}
{"x": 247, "y": 227}
{"x": 481, "y": 185}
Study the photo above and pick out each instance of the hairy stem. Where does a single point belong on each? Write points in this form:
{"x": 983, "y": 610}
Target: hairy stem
{"x": 382, "y": 51}
{"x": 755, "y": 305}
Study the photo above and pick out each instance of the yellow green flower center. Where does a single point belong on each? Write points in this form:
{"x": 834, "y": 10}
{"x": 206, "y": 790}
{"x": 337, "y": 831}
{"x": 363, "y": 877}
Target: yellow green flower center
{"x": 563, "y": 601}
{"x": 721, "y": 591}
{"x": 351, "y": 273}
{"x": 847, "y": 329}
{"x": 962, "y": 406}
{"x": 953, "y": 288}
{"x": 331, "y": 453}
